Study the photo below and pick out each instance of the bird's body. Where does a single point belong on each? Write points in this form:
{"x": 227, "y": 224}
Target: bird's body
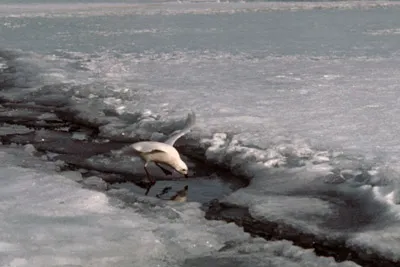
{"x": 156, "y": 151}
{"x": 162, "y": 152}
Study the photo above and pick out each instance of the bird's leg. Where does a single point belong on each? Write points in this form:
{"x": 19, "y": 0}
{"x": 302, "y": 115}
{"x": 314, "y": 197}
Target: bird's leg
{"x": 152, "y": 181}
{"x": 148, "y": 189}
{"x": 148, "y": 174}
{"x": 165, "y": 171}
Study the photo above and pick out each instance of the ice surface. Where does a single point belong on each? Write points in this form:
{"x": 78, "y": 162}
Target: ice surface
{"x": 259, "y": 254}
{"x": 10, "y": 129}
{"x": 349, "y": 206}
{"x": 51, "y": 220}
{"x": 96, "y": 183}
{"x": 310, "y": 119}
{"x": 59, "y": 8}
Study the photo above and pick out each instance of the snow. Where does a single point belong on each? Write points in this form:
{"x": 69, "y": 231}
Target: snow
{"x": 11, "y": 129}
{"x": 95, "y": 182}
{"x": 353, "y": 207}
{"x": 87, "y": 9}
{"x": 310, "y": 119}
{"x": 50, "y": 220}
{"x": 258, "y": 254}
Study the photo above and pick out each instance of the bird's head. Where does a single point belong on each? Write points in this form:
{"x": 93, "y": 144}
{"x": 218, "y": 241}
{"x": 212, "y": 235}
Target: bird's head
{"x": 182, "y": 168}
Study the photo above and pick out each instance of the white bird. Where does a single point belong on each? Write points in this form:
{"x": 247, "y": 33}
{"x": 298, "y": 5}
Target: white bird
{"x": 162, "y": 152}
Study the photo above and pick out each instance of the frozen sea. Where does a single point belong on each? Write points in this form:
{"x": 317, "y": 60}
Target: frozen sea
{"x": 300, "y": 98}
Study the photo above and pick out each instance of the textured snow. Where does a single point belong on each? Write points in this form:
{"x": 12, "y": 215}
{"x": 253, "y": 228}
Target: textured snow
{"x": 50, "y": 220}
{"x": 167, "y": 7}
{"x": 310, "y": 119}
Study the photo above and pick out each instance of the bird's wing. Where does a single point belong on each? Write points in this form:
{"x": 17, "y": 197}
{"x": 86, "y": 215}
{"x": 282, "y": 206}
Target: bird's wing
{"x": 190, "y": 121}
{"x": 142, "y": 147}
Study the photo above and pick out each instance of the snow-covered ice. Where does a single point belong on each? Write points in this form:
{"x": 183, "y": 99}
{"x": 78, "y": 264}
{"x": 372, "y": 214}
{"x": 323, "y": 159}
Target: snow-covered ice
{"x": 299, "y": 98}
{"x": 50, "y": 220}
